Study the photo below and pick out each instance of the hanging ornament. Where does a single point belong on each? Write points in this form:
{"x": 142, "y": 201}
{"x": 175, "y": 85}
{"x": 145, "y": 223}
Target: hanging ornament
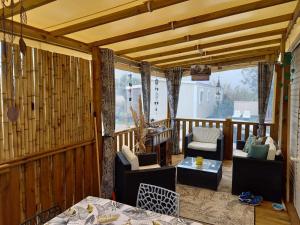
{"x": 156, "y": 96}
{"x": 23, "y": 19}
{"x": 130, "y": 88}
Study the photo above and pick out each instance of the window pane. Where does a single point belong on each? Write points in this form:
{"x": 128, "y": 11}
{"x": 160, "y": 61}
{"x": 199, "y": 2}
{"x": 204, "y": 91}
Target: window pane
{"x": 238, "y": 97}
{"x": 126, "y": 96}
{"x": 158, "y": 105}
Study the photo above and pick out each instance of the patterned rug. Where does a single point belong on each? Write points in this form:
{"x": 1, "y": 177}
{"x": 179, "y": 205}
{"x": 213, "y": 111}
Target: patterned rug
{"x": 210, "y": 207}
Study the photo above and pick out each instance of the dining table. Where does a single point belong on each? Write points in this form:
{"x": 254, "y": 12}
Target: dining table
{"x": 94, "y": 210}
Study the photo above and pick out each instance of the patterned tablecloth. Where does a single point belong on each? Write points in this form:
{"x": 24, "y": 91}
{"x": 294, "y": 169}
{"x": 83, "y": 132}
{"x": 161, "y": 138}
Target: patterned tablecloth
{"x": 92, "y": 210}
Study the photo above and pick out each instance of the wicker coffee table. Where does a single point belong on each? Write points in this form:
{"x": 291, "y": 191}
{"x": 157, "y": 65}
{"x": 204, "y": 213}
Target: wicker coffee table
{"x": 208, "y": 175}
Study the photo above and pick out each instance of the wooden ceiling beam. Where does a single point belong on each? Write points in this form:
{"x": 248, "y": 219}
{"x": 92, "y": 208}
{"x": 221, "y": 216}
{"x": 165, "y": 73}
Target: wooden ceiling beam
{"x": 191, "y": 21}
{"x": 123, "y": 14}
{"x": 27, "y": 4}
{"x": 207, "y": 34}
{"x": 204, "y": 60}
{"x": 293, "y": 21}
{"x": 212, "y": 44}
{"x": 229, "y": 61}
{"x": 219, "y": 51}
{"x": 45, "y": 37}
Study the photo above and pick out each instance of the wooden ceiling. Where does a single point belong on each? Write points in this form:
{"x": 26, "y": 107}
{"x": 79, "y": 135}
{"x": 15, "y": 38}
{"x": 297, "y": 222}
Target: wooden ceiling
{"x": 165, "y": 32}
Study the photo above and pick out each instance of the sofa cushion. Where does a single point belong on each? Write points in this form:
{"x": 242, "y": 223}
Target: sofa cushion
{"x": 206, "y": 134}
{"x": 154, "y": 166}
{"x": 272, "y": 151}
{"x": 210, "y": 147}
{"x": 240, "y": 153}
{"x": 258, "y": 151}
{"x": 250, "y": 141}
{"x": 131, "y": 157}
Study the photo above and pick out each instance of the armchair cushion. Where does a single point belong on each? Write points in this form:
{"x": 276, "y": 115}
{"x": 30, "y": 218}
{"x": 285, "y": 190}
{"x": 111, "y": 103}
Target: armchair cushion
{"x": 153, "y": 166}
{"x": 206, "y": 134}
{"x": 131, "y": 157}
{"x": 210, "y": 147}
{"x": 240, "y": 153}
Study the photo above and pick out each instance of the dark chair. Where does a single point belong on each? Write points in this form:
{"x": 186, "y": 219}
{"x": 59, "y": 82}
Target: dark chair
{"x": 261, "y": 177}
{"x": 43, "y": 217}
{"x": 127, "y": 181}
{"x": 216, "y": 155}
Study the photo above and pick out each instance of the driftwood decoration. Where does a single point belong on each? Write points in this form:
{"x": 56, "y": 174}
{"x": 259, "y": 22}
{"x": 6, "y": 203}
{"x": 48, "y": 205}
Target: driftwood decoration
{"x": 140, "y": 124}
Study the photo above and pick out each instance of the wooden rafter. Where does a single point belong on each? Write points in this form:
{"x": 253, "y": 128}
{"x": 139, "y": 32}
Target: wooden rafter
{"x": 221, "y": 31}
{"x": 44, "y": 36}
{"x": 27, "y": 4}
{"x": 211, "y": 44}
{"x": 191, "y": 21}
{"x": 204, "y": 60}
{"x": 219, "y": 51}
{"x": 239, "y": 61}
{"x": 123, "y": 14}
{"x": 293, "y": 21}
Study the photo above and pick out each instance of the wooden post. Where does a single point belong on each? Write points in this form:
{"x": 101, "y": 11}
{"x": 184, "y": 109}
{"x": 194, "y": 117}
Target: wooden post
{"x": 276, "y": 102}
{"x": 97, "y": 99}
{"x": 284, "y": 127}
{"x": 228, "y": 138}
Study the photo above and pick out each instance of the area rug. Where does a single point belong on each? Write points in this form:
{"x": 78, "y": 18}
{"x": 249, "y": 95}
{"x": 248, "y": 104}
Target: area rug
{"x": 210, "y": 207}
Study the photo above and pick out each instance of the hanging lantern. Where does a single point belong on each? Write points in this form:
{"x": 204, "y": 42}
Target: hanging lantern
{"x": 218, "y": 91}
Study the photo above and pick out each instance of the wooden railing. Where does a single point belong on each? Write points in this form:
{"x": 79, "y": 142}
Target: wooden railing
{"x": 232, "y": 130}
{"x": 127, "y": 137}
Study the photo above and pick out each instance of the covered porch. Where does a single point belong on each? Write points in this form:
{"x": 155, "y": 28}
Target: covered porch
{"x": 72, "y": 70}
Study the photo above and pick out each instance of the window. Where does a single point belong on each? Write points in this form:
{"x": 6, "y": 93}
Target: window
{"x": 128, "y": 90}
{"x": 237, "y": 97}
{"x": 208, "y": 96}
{"x": 159, "y": 102}
{"x": 200, "y": 96}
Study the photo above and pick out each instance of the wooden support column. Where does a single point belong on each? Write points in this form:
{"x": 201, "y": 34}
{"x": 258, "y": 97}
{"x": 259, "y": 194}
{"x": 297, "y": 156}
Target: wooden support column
{"x": 97, "y": 98}
{"x": 276, "y": 102}
{"x": 228, "y": 138}
{"x": 284, "y": 120}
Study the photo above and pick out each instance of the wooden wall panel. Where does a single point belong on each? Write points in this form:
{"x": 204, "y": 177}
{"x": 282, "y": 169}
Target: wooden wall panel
{"x": 34, "y": 184}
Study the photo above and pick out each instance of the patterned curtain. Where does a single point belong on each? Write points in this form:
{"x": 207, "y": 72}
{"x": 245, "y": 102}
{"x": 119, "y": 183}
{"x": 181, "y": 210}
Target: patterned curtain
{"x": 146, "y": 88}
{"x": 265, "y": 76}
{"x": 173, "y": 77}
{"x": 108, "y": 118}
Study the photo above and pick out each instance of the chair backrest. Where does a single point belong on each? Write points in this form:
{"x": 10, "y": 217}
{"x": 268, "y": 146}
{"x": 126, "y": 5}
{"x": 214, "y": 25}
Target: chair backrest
{"x": 206, "y": 134}
{"x": 158, "y": 199}
{"x": 43, "y": 216}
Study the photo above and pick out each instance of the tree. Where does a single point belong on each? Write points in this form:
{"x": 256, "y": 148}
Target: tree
{"x": 250, "y": 79}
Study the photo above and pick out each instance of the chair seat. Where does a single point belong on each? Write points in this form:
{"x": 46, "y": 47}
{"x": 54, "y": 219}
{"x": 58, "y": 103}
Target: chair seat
{"x": 153, "y": 166}
{"x": 209, "y": 147}
{"x": 240, "y": 153}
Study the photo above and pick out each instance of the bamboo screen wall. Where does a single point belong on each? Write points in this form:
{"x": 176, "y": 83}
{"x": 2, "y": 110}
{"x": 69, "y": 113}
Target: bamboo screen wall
{"x": 54, "y": 96}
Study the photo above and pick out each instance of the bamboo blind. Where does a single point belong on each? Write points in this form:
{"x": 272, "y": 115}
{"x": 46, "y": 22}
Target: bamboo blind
{"x": 53, "y": 94}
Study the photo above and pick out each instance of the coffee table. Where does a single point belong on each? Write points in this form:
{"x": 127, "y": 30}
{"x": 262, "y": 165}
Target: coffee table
{"x": 208, "y": 175}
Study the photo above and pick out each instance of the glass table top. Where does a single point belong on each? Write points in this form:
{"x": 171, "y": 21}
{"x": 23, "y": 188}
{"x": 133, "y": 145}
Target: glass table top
{"x": 208, "y": 165}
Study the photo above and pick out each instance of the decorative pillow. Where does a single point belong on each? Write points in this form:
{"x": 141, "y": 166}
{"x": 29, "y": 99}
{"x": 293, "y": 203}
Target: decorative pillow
{"x": 269, "y": 140}
{"x": 250, "y": 141}
{"x": 258, "y": 151}
{"x": 131, "y": 157}
{"x": 261, "y": 140}
{"x": 271, "y": 152}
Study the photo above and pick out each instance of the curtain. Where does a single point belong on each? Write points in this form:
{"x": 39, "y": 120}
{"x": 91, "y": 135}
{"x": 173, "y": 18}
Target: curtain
{"x": 173, "y": 77}
{"x": 265, "y": 76}
{"x": 108, "y": 118}
{"x": 146, "y": 88}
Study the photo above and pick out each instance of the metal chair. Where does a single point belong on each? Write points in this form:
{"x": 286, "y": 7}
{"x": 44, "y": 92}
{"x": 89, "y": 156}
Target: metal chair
{"x": 158, "y": 199}
{"x": 43, "y": 217}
